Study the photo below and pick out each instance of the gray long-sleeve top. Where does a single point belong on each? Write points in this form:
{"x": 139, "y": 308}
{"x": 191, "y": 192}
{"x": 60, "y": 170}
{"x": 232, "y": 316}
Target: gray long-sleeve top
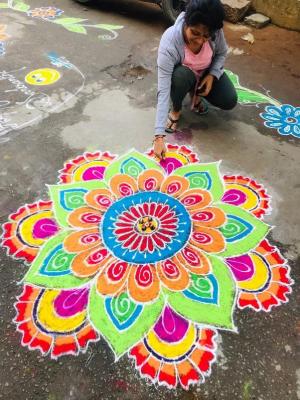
{"x": 170, "y": 54}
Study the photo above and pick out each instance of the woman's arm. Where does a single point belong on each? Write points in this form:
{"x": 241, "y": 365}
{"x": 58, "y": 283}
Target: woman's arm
{"x": 166, "y": 63}
{"x": 165, "y": 71}
{"x": 217, "y": 66}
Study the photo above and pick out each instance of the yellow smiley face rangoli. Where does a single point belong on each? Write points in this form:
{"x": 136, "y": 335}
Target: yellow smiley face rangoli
{"x": 42, "y": 76}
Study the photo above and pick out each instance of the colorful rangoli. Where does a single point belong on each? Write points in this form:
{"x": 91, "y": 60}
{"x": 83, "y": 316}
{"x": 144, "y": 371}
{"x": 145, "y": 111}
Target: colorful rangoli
{"x": 3, "y": 38}
{"x": 152, "y": 257}
{"x": 285, "y": 118}
{"x": 56, "y": 16}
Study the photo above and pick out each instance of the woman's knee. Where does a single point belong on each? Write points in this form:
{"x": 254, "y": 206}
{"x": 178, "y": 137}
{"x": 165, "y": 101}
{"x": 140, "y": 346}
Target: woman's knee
{"x": 230, "y": 102}
{"x": 183, "y": 78}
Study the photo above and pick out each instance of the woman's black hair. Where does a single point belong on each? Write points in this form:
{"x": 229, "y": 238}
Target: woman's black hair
{"x": 206, "y": 12}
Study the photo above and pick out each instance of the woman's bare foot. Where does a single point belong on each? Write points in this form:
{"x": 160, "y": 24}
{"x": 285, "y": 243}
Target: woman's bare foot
{"x": 200, "y": 107}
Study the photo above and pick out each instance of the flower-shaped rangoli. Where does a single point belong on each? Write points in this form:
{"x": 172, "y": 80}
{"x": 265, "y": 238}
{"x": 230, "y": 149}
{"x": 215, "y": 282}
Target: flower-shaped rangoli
{"x": 284, "y": 118}
{"x": 154, "y": 258}
{"x": 45, "y": 12}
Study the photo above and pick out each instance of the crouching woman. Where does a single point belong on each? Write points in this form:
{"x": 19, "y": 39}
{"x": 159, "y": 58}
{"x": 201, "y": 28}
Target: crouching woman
{"x": 191, "y": 59}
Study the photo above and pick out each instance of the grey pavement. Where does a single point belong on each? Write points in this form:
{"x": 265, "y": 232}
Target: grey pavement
{"x": 108, "y": 102}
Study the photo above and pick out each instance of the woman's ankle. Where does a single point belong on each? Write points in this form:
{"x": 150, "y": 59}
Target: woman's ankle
{"x": 175, "y": 114}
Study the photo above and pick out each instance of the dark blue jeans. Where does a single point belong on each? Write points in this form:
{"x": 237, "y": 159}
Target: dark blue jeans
{"x": 222, "y": 95}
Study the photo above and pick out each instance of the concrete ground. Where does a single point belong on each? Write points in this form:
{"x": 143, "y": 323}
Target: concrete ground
{"x": 108, "y": 103}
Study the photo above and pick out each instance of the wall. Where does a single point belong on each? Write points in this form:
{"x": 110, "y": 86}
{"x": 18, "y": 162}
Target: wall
{"x": 285, "y": 13}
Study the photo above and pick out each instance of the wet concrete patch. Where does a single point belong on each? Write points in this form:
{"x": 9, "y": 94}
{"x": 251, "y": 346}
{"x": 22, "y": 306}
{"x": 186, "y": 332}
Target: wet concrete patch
{"x": 112, "y": 121}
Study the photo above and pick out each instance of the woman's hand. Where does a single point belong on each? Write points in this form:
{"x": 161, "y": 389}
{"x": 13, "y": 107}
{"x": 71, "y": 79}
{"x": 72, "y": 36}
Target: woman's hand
{"x": 206, "y": 85}
{"x": 159, "y": 146}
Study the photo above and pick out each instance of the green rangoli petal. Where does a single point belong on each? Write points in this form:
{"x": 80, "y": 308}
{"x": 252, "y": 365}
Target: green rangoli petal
{"x": 121, "y": 321}
{"x": 210, "y": 299}
{"x": 242, "y": 232}
{"x": 67, "y": 198}
{"x": 204, "y": 176}
{"x": 132, "y": 164}
{"x": 51, "y": 268}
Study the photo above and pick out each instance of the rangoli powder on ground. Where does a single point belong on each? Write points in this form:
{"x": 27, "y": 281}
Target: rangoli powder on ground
{"x": 152, "y": 257}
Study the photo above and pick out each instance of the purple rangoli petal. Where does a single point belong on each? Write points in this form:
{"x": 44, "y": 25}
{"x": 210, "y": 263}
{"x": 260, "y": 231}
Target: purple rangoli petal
{"x": 93, "y": 173}
{"x": 234, "y": 196}
{"x": 44, "y": 228}
{"x": 71, "y": 302}
{"x": 242, "y": 267}
{"x": 170, "y": 164}
{"x": 171, "y": 327}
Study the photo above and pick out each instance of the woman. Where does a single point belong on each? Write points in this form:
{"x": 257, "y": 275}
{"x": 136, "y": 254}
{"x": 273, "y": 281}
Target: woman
{"x": 191, "y": 58}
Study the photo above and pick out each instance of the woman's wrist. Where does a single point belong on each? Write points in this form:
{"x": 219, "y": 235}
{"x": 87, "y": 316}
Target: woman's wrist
{"x": 158, "y": 138}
